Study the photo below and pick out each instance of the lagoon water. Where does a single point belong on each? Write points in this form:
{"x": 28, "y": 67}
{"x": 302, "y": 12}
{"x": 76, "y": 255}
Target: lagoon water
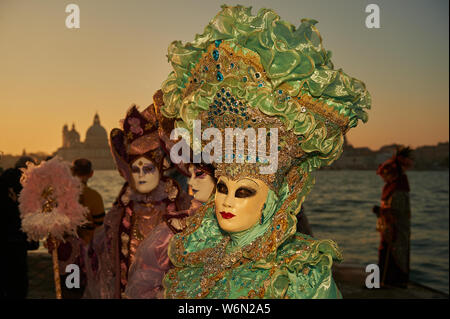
{"x": 339, "y": 207}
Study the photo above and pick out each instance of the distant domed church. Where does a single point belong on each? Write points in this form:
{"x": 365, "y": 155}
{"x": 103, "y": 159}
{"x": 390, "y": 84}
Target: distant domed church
{"x": 95, "y": 147}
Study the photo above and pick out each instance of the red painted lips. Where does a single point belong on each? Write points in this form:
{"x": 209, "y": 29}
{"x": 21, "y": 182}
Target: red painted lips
{"x": 226, "y": 215}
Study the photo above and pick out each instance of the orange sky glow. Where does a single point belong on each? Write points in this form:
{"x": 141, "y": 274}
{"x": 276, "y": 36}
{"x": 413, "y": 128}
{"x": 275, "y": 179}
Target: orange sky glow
{"x": 51, "y": 75}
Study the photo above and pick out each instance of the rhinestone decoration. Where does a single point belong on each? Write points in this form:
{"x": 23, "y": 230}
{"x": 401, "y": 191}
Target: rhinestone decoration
{"x": 216, "y": 262}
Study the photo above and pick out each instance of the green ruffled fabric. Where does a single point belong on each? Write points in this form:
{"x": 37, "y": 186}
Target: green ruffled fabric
{"x": 295, "y": 62}
{"x": 293, "y": 58}
{"x": 308, "y": 275}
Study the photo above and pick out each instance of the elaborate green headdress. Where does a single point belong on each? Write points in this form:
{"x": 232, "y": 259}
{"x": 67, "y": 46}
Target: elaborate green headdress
{"x": 256, "y": 70}
{"x": 270, "y": 65}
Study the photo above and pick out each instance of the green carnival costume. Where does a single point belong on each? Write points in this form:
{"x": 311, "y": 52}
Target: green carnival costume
{"x": 249, "y": 71}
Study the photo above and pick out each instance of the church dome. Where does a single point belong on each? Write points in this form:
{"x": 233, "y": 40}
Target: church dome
{"x": 74, "y": 134}
{"x": 96, "y": 135}
{"x": 71, "y": 138}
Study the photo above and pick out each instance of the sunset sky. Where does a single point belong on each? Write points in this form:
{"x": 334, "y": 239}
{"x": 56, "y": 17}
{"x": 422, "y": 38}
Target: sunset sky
{"x": 51, "y": 75}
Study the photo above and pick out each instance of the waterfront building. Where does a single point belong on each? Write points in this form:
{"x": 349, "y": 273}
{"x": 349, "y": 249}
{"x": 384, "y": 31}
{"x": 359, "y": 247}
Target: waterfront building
{"x": 95, "y": 146}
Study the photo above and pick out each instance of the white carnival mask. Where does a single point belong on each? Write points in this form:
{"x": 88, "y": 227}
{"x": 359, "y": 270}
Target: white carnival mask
{"x": 145, "y": 175}
{"x": 239, "y": 203}
{"x": 201, "y": 183}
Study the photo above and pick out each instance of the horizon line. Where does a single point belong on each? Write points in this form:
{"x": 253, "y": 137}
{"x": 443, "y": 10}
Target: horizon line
{"x": 2, "y": 153}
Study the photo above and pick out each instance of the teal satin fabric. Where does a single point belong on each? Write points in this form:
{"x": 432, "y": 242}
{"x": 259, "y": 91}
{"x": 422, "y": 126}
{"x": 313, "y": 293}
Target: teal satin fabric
{"x": 299, "y": 268}
{"x": 298, "y": 72}
{"x": 240, "y": 239}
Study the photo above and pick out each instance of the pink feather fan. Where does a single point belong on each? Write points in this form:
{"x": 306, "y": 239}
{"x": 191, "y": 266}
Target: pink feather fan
{"x": 49, "y": 201}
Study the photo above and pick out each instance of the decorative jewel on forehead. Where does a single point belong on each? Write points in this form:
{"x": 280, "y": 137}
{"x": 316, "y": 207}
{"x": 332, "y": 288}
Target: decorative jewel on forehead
{"x": 140, "y": 163}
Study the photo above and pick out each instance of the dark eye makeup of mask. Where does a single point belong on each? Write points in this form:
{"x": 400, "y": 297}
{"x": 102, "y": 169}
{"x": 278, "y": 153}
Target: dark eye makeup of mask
{"x": 241, "y": 192}
{"x": 148, "y": 169}
{"x": 222, "y": 188}
{"x": 199, "y": 173}
{"x": 135, "y": 169}
{"x": 244, "y": 192}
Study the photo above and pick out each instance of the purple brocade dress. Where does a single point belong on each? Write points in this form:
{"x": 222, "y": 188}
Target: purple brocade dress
{"x": 152, "y": 261}
{"x": 115, "y": 245}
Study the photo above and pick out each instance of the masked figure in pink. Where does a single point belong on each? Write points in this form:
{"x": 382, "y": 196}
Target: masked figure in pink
{"x": 152, "y": 261}
{"x": 144, "y": 202}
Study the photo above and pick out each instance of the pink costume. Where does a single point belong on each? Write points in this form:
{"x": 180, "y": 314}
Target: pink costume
{"x": 134, "y": 215}
{"x": 152, "y": 261}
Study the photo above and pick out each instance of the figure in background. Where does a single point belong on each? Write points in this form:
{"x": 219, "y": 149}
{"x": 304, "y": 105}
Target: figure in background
{"x": 152, "y": 260}
{"x": 72, "y": 250}
{"x": 394, "y": 220}
{"x": 14, "y": 281}
{"x": 142, "y": 204}
{"x": 82, "y": 168}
